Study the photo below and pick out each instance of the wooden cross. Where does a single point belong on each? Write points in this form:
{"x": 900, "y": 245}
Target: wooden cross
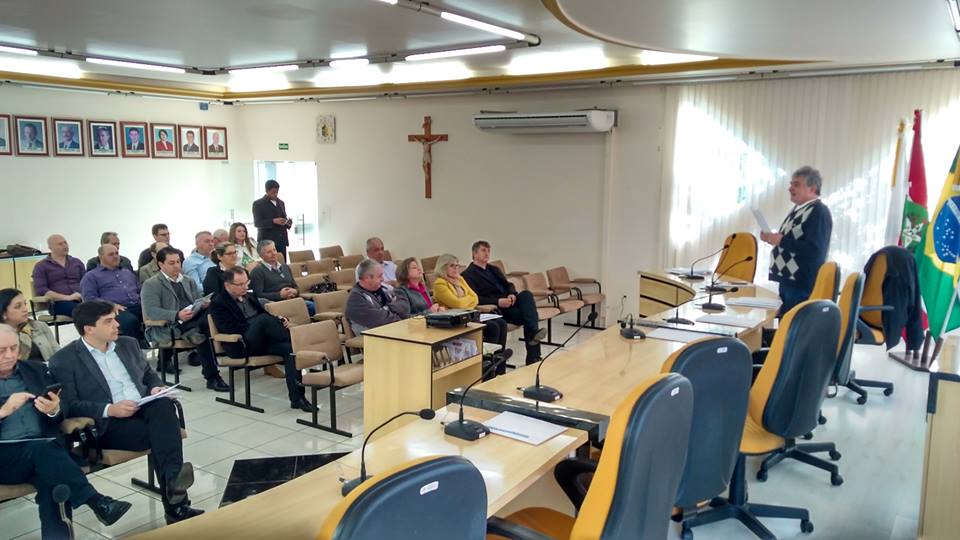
{"x": 427, "y": 139}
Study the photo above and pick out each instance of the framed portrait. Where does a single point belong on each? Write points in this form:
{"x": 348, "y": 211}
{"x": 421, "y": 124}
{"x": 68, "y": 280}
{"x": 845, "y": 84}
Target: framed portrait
{"x": 190, "y": 141}
{"x": 67, "y": 137}
{"x": 163, "y": 139}
{"x": 31, "y": 135}
{"x": 102, "y": 138}
{"x": 327, "y": 129}
{"x": 133, "y": 141}
{"x": 6, "y": 142}
{"x": 214, "y": 142}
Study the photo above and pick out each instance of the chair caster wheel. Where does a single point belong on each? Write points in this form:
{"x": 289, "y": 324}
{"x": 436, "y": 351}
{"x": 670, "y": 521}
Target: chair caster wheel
{"x": 836, "y": 479}
{"x": 822, "y": 420}
{"x": 762, "y": 475}
{"x": 834, "y": 455}
{"x": 888, "y": 391}
{"x": 861, "y": 400}
{"x": 806, "y": 526}
{"x": 808, "y": 436}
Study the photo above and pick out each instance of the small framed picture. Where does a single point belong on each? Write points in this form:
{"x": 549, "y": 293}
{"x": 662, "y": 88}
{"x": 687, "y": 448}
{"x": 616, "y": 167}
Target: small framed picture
{"x": 31, "y": 135}
{"x": 190, "y": 142}
{"x": 103, "y": 138}
{"x": 327, "y": 129}
{"x": 6, "y": 143}
{"x": 134, "y": 142}
{"x": 163, "y": 137}
{"x": 215, "y": 142}
{"x": 68, "y": 133}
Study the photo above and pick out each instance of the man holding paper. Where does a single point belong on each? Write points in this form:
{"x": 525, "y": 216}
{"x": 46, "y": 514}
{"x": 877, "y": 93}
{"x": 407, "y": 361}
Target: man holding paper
{"x": 800, "y": 246}
{"x": 104, "y": 375}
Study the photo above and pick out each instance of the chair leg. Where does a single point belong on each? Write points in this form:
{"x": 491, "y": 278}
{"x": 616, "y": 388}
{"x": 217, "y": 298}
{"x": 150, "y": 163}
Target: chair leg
{"x": 591, "y": 326}
{"x": 867, "y": 383}
{"x": 151, "y": 483}
{"x": 56, "y": 332}
{"x": 232, "y": 399}
{"x": 804, "y": 454}
{"x": 332, "y": 428}
{"x": 175, "y": 353}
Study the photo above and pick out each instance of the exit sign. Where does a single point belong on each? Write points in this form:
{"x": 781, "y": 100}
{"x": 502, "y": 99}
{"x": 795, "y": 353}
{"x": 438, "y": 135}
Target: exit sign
{"x": 284, "y": 146}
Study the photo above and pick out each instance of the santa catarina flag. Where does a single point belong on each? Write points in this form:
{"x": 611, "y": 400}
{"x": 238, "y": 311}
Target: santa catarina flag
{"x": 915, "y": 217}
{"x": 937, "y": 257}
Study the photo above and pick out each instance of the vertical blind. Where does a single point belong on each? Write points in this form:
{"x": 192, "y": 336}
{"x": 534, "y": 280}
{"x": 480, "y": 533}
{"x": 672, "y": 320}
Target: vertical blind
{"x": 729, "y": 147}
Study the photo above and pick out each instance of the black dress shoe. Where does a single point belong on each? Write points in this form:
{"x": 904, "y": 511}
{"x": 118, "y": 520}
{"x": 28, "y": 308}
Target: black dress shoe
{"x": 177, "y": 488}
{"x": 193, "y": 359}
{"x": 108, "y": 510}
{"x": 180, "y": 513}
{"x": 303, "y": 405}
{"x": 218, "y": 385}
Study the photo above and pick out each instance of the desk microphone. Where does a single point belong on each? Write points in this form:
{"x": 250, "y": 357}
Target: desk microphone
{"x": 694, "y": 277}
{"x": 349, "y": 485}
{"x": 547, "y": 394}
{"x": 61, "y": 494}
{"x": 469, "y": 430}
{"x": 710, "y": 305}
{"x": 677, "y": 319}
{"x": 631, "y": 333}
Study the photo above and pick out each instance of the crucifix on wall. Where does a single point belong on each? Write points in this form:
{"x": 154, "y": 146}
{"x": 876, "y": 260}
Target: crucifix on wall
{"x": 427, "y": 139}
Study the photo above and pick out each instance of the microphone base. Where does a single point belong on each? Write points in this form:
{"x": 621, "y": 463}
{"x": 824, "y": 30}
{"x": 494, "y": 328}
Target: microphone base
{"x": 691, "y": 277}
{"x": 633, "y": 333}
{"x": 715, "y": 289}
{"x": 542, "y": 393}
{"x": 350, "y": 485}
{"x": 467, "y": 430}
{"x": 713, "y": 306}
{"x": 678, "y": 320}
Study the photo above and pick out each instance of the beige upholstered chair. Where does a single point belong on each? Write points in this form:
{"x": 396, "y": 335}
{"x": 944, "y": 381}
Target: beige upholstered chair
{"x": 304, "y": 283}
{"x": 172, "y": 352}
{"x": 39, "y": 308}
{"x": 561, "y": 284}
{"x": 536, "y": 283}
{"x": 323, "y": 266}
{"x": 351, "y": 341}
{"x": 349, "y": 262}
{"x": 344, "y": 278}
{"x": 544, "y": 312}
{"x": 330, "y": 306}
{"x": 297, "y": 269}
{"x": 247, "y": 364}
{"x": 301, "y": 256}
{"x": 332, "y": 252}
{"x": 503, "y": 268}
{"x": 429, "y": 264}
{"x": 294, "y": 309}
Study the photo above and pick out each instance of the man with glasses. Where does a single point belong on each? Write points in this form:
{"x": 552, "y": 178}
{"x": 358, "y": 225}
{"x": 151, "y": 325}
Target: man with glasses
{"x": 160, "y": 234}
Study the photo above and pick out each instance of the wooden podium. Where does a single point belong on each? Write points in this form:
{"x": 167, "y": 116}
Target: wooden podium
{"x": 660, "y": 291}
{"x": 940, "y": 495}
{"x": 400, "y": 372}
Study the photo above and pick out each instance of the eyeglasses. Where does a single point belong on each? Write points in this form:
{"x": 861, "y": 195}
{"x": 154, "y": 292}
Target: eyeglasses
{"x": 244, "y": 284}
{"x": 234, "y": 252}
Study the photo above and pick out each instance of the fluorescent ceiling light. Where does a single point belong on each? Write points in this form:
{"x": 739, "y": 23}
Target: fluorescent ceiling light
{"x": 480, "y": 25}
{"x": 260, "y": 83}
{"x": 358, "y": 76}
{"x": 440, "y": 71}
{"x": 49, "y": 67}
{"x": 17, "y": 50}
{"x": 134, "y": 65}
{"x": 455, "y": 52}
{"x": 954, "y": 13}
{"x": 349, "y": 63}
{"x": 533, "y": 62}
{"x": 266, "y": 69}
{"x": 391, "y": 2}
{"x": 659, "y": 58}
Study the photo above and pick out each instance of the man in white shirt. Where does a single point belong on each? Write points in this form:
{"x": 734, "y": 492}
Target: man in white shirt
{"x": 376, "y": 252}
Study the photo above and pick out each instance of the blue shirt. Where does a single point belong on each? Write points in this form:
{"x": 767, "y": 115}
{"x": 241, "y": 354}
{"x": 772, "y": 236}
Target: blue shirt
{"x": 196, "y": 266}
{"x": 118, "y": 378}
{"x": 23, "y": 423}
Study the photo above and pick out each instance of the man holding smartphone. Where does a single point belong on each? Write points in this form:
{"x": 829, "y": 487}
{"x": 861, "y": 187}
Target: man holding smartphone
{"x": 270, "y": 217}
{"x": 30, "y": 413}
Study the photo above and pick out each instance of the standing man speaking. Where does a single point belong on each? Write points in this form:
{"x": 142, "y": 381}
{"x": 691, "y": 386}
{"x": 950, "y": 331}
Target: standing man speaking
{"x": 270, "y": 218}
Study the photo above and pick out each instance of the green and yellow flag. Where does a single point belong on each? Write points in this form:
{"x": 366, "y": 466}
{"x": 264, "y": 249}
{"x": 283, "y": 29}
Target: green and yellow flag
{"x": 937, "y": 257}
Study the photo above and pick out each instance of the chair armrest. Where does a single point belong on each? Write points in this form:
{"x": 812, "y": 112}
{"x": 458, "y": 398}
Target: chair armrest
{"x": 308, "y": 295}
{"x": 313, "y": 358}
{"x": 540, "y": 292}
{"x": 72, "y": 425}
{"x": 157, "y": 324}
{"x": 487, "y": 308}
{"x": 328, "y": 316}
{"x": 228, "y": 338}
{"x": 502, "y": 527}
{"x": 561, "y": 288}
{"x": 585, "y": 280}
{"x": 517, "y": 273}
{"x": 876, "y": 308}
{"x": 44, "y": 299}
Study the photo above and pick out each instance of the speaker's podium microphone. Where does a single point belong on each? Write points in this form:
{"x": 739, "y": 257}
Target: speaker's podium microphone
{"x": 539, "y": 392}
{"x": 470, "y": 430}
{"x": 714, "y": 306}
{"x": 349, "y": 485}
{"x": 690, "y": 276}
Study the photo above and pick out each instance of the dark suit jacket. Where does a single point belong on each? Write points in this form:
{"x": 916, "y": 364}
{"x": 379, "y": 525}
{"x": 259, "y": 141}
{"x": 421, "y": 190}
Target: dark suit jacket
{"x": 230, "y": 320}
{"x": 901, "y": 289}
{"x": 217, "y": 149}
{"x": 85, "y": 390}
{"x": 263, "y": 214}
{"x": 72, "y": 145}
{"x": 488, "y": 290}
{"x": 191, "y": 148}
{"x": 37, "y": 378}
{"x": 138, "y": 146}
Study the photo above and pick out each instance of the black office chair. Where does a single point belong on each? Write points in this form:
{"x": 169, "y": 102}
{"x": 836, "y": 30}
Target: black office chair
{"x": 431, "y": 498}
{"x": 850, "y": 307}
{"x": 636, "y": 479}
{"x": 720, "y": 371}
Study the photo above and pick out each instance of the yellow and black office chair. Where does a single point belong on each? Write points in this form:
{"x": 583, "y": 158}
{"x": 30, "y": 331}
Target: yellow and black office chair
{"x": 740, "y": 245}
{"x": 431, "y": 498}
{"x": 850, "y": 300}
{"x": 891, "y": 306}
{"x": 827, "y": 283}
{"x": 636, "y": 478}
{"x": 719, "y": 369}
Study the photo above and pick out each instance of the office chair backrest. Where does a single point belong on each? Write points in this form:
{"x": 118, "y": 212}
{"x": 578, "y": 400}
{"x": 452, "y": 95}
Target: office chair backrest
{"x": 636, "y": 481}
{"x": 323, "y": 266}
{"x": 785, "y": 399}
{"x": 319, "y": 337}
{"x": 720, "y": 371}
{"x": 849, "y": 308}
{"x": 741, "y": 245}
{"x": 432, "y": 498}
{"x": 827, "y": 283}
{"x": 331, "y": 252}
{"x": 559, "y": 278}
{"x": 873, "y": 291}
{"x": 301, "y": 256}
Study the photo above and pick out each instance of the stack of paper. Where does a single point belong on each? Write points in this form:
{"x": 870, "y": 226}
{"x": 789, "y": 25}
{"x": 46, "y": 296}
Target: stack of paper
{"x": 684, "y": 271}
{"x": 484, "y": 317}
{"x": 731, "y": 320}
{"x": 754, "y": 302}
{"x": 170, "y": 392}
{"x": 523, "y": 428}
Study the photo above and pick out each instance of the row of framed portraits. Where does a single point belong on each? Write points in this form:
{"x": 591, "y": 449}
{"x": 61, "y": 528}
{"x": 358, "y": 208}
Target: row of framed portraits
{"x": 70, "y": 137}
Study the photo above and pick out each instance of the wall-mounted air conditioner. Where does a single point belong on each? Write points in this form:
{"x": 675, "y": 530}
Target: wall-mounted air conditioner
{"x": 589, "y": 121}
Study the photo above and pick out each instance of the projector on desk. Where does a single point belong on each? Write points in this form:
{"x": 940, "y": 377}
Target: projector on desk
{"x": 452, "y": 318}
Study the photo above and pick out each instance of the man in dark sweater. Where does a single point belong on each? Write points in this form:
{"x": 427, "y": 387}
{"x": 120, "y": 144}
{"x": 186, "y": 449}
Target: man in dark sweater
{"x": 493, "y": 288}
{"x": 800, "y": 246}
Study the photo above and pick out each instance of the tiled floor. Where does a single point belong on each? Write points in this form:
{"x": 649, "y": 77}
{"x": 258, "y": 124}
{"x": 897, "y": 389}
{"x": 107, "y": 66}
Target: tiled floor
{"x": 881, "y": 443}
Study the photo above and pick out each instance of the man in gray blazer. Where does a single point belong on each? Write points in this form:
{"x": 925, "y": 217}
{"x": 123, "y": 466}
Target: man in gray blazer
{"x": 104, "y": 376}
{"x": 170, "y": 296}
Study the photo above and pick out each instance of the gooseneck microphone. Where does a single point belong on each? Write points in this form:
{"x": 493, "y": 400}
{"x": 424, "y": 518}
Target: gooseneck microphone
{"x": 61, "y": 494}
{"x": 677, "y": 319}
{"x": 694, "y": 277}
{"x": 349, "y": 485}
{"x": 470, "y": 430}
{"x": 710, "y": 305}
{"x": 631, "y": 333}
{"x": 547, "y": 394}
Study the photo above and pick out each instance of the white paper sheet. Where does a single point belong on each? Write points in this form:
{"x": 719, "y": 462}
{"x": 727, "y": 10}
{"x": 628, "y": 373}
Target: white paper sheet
{"x": 684, "y": 271}
{"x": 170, "y": 392}
{"x": 669, "y": 334}
{"x": 523, "y": 428}
{"x": 761, "y": 221}
{"x": 484, "y": 317}
{"x": 750, "y": 301}
{"x": 730, "y": 320}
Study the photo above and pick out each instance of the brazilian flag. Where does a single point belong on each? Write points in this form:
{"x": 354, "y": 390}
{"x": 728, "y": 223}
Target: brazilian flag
{"x": 937, "y": 257}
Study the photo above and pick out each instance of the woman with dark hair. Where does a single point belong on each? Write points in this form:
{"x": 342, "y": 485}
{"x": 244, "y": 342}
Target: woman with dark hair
{"x": 246, "y": 246}
{"x": 224, "y": 256}
{"x": 36, "y": 339}
{"x": 410, "y": 284}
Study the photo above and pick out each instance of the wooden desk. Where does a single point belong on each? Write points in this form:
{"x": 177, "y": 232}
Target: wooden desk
{"x": 398, "y": 372}
{"x": 17, "y": 273}
{"x": 660, "y": 290}
{"x": 297, "y": 509}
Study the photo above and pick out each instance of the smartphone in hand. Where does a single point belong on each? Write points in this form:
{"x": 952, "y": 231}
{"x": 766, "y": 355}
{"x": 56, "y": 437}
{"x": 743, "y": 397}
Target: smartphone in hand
{"x": 53, "y": 388}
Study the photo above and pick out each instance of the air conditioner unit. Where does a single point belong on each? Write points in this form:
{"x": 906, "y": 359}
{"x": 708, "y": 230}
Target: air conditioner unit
{"x": 590, "y": 121}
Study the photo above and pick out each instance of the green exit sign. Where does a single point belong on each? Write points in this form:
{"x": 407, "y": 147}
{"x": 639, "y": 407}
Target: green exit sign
{"x": 284, "y": 146}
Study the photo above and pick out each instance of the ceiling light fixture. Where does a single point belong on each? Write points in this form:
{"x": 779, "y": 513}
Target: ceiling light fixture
{"x": 134, "y": 65}
{"x": 391, "y": 2}
{"x": 264, "y": 69}
{"x": 954, "y": 14}
{"x": 17, "y": 50}
{"x": 455, "y": 52}
{"x": 349, "y": 63}
{"x": 480, "y": 25}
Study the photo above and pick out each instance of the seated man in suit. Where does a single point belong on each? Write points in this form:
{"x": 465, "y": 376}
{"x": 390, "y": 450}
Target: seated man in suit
{"x": 493, "y": 288}
{"x": 111, "y": 283}
{"x": 26, "y": 412}
{"x": 111, "y": 238}
{"x": 196, "y": 265}
{"x": 104, "y": 375}
{"x": 370, "y": 304}
{"x": 273, "y": 280}
{"x": 240, "y": 312}
{"x": 169, "y": 296}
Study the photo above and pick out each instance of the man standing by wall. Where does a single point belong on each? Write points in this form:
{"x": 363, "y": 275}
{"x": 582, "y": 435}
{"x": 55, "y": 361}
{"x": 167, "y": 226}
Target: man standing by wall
{"x": 270, "y": 218}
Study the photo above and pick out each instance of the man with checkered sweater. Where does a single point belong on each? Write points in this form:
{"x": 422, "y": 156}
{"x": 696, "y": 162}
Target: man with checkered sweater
{"x": 801, "y": 244}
